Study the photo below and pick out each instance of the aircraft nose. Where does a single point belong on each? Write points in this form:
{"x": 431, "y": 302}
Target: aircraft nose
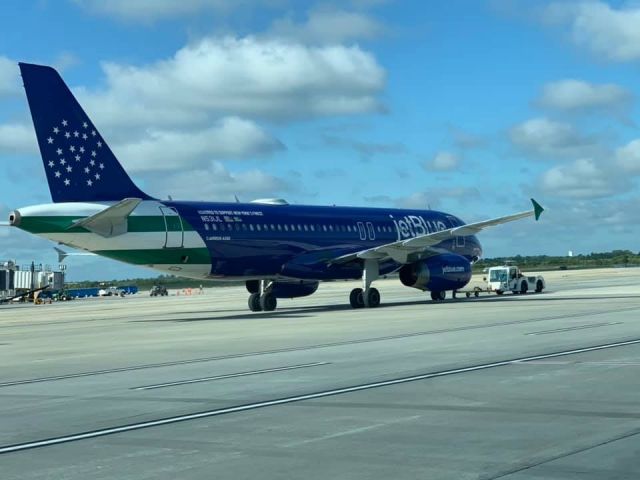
{"x": 15, "y": 218}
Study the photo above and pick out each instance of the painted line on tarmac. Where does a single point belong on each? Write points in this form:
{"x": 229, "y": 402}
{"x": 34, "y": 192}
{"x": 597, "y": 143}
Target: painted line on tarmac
{"x": 577, "y": 327}
{"x": 401, "y": 336}
{"x": 230, "y": 375}
{"x": 293, "y": 399}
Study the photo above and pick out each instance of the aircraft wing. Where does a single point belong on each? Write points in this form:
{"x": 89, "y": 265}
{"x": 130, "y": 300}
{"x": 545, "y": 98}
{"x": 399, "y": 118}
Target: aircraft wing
{"x": 401, "y": 250}
{"x": 112, "y": 221}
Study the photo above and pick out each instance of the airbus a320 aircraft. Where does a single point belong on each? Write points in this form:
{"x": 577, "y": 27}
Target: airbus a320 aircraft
{"x": 279, "y": 250}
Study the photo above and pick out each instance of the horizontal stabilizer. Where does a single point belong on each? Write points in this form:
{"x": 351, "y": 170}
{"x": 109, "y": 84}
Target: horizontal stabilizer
{"x": 111, "y": 221}
{"x": 62, "y": 254}
{"x": 5, "y": 224}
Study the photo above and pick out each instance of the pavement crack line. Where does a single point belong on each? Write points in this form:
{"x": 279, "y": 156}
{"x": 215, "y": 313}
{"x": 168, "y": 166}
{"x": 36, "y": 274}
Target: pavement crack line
{"x": 229, "y": 375}
{"x": 190, "y": 361}
{"x": 292, "y": 399}
{"x": 542, "y": 461}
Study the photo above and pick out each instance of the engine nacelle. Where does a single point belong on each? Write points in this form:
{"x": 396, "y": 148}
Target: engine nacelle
{"x": 297, "y": 289}
{"x": 438, "y": 274}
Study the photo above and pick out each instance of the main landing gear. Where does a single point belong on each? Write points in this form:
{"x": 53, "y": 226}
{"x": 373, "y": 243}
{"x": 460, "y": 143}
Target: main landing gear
{"x": 263, "y": 300}
{"x": 438, "y": 296}
{"x": 368, "y": 297}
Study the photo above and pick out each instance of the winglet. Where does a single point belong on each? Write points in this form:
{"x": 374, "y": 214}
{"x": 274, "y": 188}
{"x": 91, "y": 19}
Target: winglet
{"x": 61, "y": 254}
{"x": 537, "y": 209}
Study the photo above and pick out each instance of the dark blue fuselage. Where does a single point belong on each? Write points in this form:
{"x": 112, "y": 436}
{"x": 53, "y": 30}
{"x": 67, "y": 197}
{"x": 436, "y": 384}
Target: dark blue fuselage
{"x": 256, "y": 240}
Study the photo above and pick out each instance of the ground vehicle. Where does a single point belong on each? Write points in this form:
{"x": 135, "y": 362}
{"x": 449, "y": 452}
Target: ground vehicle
{"x": 509, "y": 277}
{"x": 158, "y": 290}
{"x": 110, "y": 291}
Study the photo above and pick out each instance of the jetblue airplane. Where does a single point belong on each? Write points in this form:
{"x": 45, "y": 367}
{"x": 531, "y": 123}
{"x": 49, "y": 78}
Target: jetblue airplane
{"x": 279, "y": 250}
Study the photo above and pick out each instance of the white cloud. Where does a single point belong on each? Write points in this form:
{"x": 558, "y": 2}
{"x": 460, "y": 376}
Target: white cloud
{"x": 152, "y": 10}
{"x": 571, "y": 95}
{"x": 329, "y": 25}
{"x": 247, "y": 77}
{"x": 544, "y": 137}
{"x": 628, "y": 157}
{"x": 434, "y": 197}
{"x": 232, "y": 137}
{"x": 367, "y": 150}
{"x": 609, "y": 32}
{"x": 443, "y": 161}
{"x": 18, "y": 138}
{"x": 9, "y": 77}
{"x": 583, "y": 178}
{"x": 215, "y": 182}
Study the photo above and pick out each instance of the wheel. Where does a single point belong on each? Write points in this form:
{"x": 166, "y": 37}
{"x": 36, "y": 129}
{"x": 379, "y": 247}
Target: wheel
{"x": 438, "y": 296}
{"x": 499, "y": 292}
{"x": 254, "y": 302}
{"x": 454, "y": 294}
{"x": 476, "y": 293}
{"x": 524, "y": 287}
{"x": 268, "y": 302}
{"x": 356, "y": 299}
{"x": 539, "y": 286}
{"x": 371, "y": 298}
{"x": 468, "y": 294}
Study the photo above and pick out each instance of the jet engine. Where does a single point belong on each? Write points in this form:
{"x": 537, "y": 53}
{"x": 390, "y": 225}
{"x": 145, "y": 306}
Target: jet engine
{"x": 438, "y": 273}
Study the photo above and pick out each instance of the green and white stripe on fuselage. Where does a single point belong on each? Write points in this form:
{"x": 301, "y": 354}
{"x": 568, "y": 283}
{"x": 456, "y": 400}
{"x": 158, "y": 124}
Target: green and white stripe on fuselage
{"x": 156, "y": 237}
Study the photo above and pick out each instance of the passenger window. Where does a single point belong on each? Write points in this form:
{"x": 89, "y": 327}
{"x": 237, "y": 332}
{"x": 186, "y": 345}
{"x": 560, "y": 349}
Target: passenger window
{"x": 306, "y": 228}
{"x": 286, "y": 227}
{"x": 313, "y": 229}
{"x": 251, "y": 227}
{"x": 324, "y": 228}
{"x": 279, "y": 227}
{"x": 214, "y": 226}
{"x": 258, "y": 227}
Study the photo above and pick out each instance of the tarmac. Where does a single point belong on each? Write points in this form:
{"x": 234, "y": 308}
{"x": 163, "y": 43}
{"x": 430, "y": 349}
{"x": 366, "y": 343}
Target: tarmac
{"x": 517, "y": 387}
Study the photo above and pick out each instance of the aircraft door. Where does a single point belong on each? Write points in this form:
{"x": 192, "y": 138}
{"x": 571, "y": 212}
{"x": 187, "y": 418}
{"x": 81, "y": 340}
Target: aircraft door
{"x": 174, "y": 229}
{"x": 361, "y": 230}
{"x": 371, "y": 231}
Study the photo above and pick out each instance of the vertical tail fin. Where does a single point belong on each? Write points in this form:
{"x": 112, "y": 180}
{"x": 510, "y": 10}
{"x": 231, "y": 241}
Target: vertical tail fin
{"x": 79, "y": 164}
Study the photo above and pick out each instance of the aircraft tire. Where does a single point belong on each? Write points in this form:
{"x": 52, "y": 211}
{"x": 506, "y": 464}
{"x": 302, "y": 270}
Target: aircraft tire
{"x": 438, "y": 296}
{"x": 254, "y": 302}
{"x": 356, "y": 299}
{"x": 539, "y": 286}
{"x": 268, "y": 302}
{"x": 371, "y": 298}
{"x": 499, "y": 292}
{"x": 524, "y": 287}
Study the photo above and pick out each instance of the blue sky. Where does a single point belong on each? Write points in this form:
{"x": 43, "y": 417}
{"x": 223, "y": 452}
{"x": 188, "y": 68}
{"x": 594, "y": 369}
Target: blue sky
{"x": 469, "y": 107}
